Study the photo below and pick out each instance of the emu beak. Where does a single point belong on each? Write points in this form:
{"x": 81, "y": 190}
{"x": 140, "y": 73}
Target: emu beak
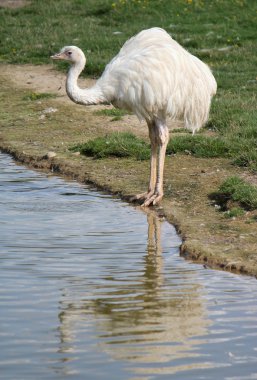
{"x": 58, "y": 56}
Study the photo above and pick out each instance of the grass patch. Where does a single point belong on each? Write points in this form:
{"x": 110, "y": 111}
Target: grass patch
{"x": 235, "y": 212}
{"x": 202, "y": 26}
{"x": 116, "y": 145}
{"x": 128, "y": 145}
{"x": 220, "y": 32}
{"x": 237, "y": 190}
{"x": 114, "y": 113}
{"x": 198, "y": 145}
{"x": 247, "y": 158}
{"x": 181, "y": 130}
{"x": 38, "y": 96}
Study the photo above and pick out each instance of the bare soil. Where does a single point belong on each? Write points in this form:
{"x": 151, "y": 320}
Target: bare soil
{"x": 28, "y": 132}
{"x": 13, "y": 3}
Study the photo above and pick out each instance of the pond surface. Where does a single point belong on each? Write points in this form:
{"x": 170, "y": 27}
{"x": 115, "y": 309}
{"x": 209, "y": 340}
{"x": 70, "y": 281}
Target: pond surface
{"x": 91, "y": 288}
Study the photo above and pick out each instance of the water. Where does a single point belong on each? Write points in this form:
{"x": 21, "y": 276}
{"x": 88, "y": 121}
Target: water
{"x": 91, "y": 288}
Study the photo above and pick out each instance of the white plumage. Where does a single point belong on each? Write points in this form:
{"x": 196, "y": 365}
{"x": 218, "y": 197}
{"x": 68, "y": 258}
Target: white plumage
{"x": 154, "y": 77}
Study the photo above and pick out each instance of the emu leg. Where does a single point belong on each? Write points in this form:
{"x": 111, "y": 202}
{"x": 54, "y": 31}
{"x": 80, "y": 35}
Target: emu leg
{"x": 162, "y": 138}
{"x": 153, "y": 166}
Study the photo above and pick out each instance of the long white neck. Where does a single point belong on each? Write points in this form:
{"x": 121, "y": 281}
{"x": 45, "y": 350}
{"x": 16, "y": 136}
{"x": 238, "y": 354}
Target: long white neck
{"x": 86, "y": 96}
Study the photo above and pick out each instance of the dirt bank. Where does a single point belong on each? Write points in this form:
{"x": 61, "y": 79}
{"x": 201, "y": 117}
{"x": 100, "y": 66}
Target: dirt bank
{"x": 31, "y": 128}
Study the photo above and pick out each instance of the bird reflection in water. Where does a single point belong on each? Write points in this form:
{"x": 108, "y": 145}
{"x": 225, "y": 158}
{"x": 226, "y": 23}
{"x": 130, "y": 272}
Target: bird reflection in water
{"x": 150, "y": 321}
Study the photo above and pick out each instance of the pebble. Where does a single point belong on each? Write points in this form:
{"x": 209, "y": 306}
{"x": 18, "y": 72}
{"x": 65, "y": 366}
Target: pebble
{"x": 49, "y": 155}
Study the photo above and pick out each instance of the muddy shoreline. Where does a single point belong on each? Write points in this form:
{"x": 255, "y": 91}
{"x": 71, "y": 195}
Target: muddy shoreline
{"x": 208, "y": 237}
{"x": 68, "y": 171}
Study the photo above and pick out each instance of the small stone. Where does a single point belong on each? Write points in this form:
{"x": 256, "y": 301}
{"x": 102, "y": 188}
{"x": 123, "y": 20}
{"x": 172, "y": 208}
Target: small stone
{"x": 225, "y": 48}
{"x": 49, "y": 155}
{"x": 50, "y": 110}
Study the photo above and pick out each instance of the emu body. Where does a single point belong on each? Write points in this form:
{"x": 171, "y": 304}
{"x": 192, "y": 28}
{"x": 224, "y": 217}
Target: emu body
{"x": 156, "y": 78}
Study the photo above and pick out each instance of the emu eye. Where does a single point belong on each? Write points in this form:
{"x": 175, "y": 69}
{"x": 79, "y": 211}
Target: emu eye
{"x": 69, "y": 53}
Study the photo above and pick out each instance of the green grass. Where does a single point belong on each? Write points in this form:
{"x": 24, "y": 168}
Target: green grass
{"x": 234, "y": 212}
{"x": 202, "y": 26}
{"x": 220, "y": 32}
{"x": 116, "y": 144}
{"x": 114, "y": 113}
{"x": 38, "y": 96}
{"x": 237, "y": 190}
{"x": 198, "y": 145}
{"x": 113, "y": 145}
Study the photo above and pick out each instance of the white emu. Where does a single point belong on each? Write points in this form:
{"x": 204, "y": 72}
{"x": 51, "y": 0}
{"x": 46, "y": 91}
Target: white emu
{"x": 154, "y": 77}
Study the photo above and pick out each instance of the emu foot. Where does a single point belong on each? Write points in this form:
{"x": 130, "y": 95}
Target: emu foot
{"x": 152, "y": 200}
{"x": 148, "y": 198}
